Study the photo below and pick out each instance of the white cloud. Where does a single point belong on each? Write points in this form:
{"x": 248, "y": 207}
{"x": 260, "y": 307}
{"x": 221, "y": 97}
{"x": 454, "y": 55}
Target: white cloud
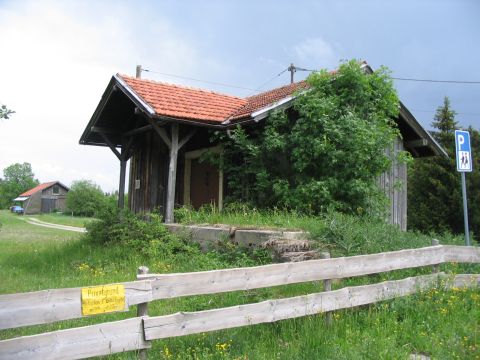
{"x": 57, "y": 58}
{"x": 318, "y": 53}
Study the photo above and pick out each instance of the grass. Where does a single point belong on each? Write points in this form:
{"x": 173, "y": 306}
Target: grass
{"x": 442, "y": 324}
{"x": 63, "y": 219}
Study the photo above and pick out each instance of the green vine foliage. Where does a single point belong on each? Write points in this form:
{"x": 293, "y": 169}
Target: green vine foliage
{"x": 325, "y": 152}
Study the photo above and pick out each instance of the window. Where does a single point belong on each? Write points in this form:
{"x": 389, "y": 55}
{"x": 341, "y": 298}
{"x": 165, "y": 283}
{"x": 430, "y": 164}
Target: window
{"x": 56, "y": 189}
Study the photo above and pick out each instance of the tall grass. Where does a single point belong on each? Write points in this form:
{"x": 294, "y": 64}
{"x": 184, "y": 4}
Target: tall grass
{"x": 442, "y": 324}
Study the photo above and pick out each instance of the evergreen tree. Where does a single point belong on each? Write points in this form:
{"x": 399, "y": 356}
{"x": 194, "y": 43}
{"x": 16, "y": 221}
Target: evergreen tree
{"x": 434, "y": 190}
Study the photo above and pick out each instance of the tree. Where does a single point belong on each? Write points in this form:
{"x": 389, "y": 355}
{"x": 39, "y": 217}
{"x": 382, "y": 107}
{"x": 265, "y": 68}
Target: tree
{"x": 5, "y": 112}
{"x": 323, "y": 153}
{"x": 18, "y": 178}
{"x": 85, "y": 198}
{"x": 435, "y": 199}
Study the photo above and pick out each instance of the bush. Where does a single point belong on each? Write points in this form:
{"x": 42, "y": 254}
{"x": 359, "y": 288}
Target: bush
{"x": 325, "y": 153}
{"x": 148, "y": 236}
{"x": 85, "y": 198}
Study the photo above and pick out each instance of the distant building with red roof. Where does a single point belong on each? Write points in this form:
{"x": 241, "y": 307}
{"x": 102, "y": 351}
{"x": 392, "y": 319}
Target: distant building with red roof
{"x": 163, "y": 129}
{"x": 44, "y": 198}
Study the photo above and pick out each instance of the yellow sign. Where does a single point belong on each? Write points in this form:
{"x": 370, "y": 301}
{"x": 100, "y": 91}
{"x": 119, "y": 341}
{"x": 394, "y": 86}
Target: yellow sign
{"x": 103, "y": 299}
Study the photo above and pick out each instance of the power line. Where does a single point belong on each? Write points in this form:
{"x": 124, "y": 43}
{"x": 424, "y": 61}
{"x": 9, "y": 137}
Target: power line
{"x": 437, "y": 81}
{"x": 199, "y": 80}
{"x": 410, "y": 79}
{"x": 458, "y": 113}
{"x": 268, "y": 81}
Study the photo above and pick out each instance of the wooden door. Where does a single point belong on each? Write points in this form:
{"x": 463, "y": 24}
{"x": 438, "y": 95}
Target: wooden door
{"x": 203, "y": 184}
{"x": 48, "y": 205}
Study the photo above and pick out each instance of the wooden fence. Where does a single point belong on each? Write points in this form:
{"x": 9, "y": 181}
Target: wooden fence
{"x": 42, "y": 307}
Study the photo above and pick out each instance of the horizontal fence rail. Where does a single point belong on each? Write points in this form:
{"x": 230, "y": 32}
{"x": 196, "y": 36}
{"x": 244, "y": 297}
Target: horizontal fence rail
{"x": 166, "y": 286}
{"x": 126, "y": 335}
{"x": 48, "y": 306}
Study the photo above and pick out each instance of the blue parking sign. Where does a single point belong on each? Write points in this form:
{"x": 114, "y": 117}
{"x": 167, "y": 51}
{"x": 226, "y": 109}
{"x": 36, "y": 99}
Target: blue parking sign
{"x": 463, "y": 151}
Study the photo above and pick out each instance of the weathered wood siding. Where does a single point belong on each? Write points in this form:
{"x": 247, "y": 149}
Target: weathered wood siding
{"x": 58, "y": 199}
{"x": 394, "y": 183}
{"x": 34, "y": 204}
{"x": 148, "y": 171}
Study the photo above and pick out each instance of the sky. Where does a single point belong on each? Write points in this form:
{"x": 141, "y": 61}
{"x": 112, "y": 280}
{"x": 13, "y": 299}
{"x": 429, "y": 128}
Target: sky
{"x": 57, "y": 58}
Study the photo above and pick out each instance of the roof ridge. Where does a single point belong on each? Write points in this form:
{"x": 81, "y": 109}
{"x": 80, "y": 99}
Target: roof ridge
{"x": 293, "y": 85}
{"x": 181, "y": 86}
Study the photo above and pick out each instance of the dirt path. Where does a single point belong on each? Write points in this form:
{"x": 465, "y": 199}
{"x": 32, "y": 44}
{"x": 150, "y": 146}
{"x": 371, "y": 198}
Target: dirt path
{"x": 37, "y": 222}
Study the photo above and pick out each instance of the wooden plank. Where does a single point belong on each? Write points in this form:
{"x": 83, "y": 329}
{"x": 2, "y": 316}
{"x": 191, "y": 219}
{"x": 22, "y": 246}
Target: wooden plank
{"x": 77, "y": 343}
{"x": 161, "y": 132}
{"x": 217, "y": 281}
{"x": 47, "y": 306}
{"x": 111, "y": 146}
{"x": 138, "y": 131}
{"x": 185, "y": 323}
{"x": 172, "y": 174}
{"x": 186, "y": 138}
{"x": 462, "y": 254}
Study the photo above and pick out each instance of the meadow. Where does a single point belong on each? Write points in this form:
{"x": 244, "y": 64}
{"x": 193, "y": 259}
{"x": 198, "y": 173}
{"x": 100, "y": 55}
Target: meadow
{"x": 437, "y": 323}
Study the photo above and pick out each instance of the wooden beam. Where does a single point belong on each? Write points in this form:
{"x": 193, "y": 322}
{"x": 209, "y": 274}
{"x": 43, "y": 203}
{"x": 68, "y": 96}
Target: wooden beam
{"x": 416, "y": 143}
{"x": 78, "y": 343}
{"x": 126, "y": 149}
{"x": 111, "y": 146}
{"x": 49, "y": 306}
{"x": 186, "y": 323}
{"x": 138, "y": 130}
{"x": 186, "y": 138}
{"x": 217, "y": 281}
{"x": 110, "y": 131}
{"x": 172, "y": 174}
{"x": 121, "y": 185}
{"x": 161, "y": 132}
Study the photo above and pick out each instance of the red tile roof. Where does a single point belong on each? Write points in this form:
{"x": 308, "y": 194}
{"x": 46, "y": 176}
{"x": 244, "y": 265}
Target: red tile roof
{"x": 183, "y": 102}
{"x": 262, "y": 100}
{"x": 38, "y": 188}
{"x": 202, "y": 105}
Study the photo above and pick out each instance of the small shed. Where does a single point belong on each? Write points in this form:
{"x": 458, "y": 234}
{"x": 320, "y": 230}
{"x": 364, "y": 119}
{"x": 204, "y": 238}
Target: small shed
{"x": 163, "y": 129}
{"x": 44, "y": 198}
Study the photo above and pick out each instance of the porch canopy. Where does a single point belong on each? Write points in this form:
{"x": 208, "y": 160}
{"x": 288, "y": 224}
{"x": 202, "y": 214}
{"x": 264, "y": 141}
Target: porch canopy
{"x": 131, "y": 106}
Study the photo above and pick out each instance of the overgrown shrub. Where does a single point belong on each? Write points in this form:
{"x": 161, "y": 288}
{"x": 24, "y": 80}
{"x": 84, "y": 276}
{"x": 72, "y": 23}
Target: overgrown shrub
{"x": 325, "y": 153}
{"x": 149, "y": 235}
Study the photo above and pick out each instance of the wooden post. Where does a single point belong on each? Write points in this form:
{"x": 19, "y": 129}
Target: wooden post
{"x": 121, "y": 186}
{"x": 327, "y": 286}
{"x": 435, "y": 268}
{"x": 142, "y": 310}
{"x": 172, "y": 174}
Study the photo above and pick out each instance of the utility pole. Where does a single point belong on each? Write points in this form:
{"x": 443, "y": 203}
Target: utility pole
{"x": 292, "y": 70}
{"x": 138, "y": 74}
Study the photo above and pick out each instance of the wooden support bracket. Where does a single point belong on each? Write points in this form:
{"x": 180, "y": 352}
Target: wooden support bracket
{"x": 111, "y": 146}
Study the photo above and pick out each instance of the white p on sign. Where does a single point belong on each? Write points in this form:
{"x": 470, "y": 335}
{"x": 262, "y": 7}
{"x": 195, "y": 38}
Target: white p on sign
{"x": 463, "y": 151}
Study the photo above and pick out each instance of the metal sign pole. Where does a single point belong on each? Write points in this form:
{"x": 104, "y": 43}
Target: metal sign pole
{"x": 465, "y": 210}
{"x": 464, "y": 161}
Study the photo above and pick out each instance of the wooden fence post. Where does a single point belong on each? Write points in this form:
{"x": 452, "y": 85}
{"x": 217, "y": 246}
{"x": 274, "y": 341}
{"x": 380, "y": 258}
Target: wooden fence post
{"x": 436, "y": 267}
{"x": 142, "y": 310}
{"x": 327, "y": 286}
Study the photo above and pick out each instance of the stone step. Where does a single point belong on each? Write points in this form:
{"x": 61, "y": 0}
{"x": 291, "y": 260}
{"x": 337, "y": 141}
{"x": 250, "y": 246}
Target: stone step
{"x": 295, "y": 256}
{"x": 282, "y": 245}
